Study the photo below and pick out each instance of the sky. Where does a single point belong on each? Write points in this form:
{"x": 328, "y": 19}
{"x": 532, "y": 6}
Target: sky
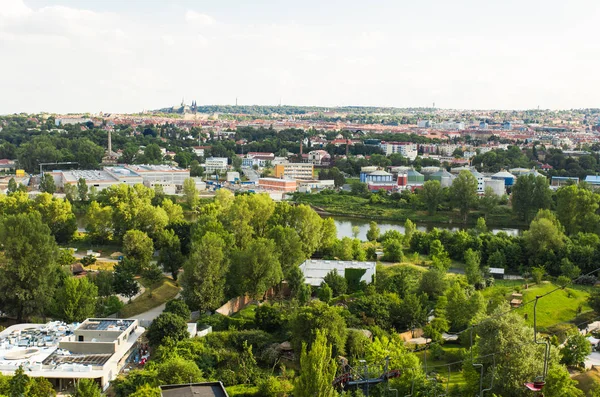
{"x": 70, "y": 56}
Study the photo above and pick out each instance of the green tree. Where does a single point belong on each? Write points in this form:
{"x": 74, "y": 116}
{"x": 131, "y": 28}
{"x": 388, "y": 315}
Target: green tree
{"x": 481, "y": 226}
{"x": 576, "y": 209}
{"x": 559, "y": 383}
{"x": 152, "y": 154}
{"x": 359, "y": 188}
{"x": 58, "y": 215}
{"x": 70, "y": 192}
{"x": 325, "y": 293}
{"x": 204, "y": 273}
{"x": 138, "y": 247}
{"x": 575, "y": 350}
{"x": 409, "y": 230}
{"x": 268, "y": 318}
{"x": 433, "y": 283}
{"x": 529, "y": 195}
{"x": 373, "y": 232}
{"x": 178, "y": 370}
{"x": 87, "y": 388}
{"x": 439, "y": 256}
{"x": 167, "y": 325}
{"x": 133, "y": 209}
{"x": 82, "y": 190}
{"x": 464, "y": 305}
{"x": 305, "y": 321}
{"x": 400, "y": 356}
{"x": 18, "y": 383}
{"x": 174, "y": 211}
{"x": 288, "y": 246}
{"x": 103, "y": 280}
{"x": 472, "y": 269}
{"x": 12, "y": 186}
{"x": 488, "y": 202}
{"x": 190, "y": 192}
{"x": 170, "y": 257}
{"x": 328, "y": 233}
{"x": 545, "y": 234}
{"x": 123, "y": 279}
{"x": 432, "y": 195}
{"x": 47, "y": 184}
{"x": 317, "y": 370}
{"x": 146, "y": 391}
{"x": 29, "y": 272}
{"x": 196, "y": 170}
{"x": 40, "y": 387}
{"x": 594, "y": 300}
{"x": 337, "y": 282}
{"x": 392, "y": 251}
{"x": 178, "y": 307}
{"x": 75, "y": 300}
{"x": 99, "y": 224}
{"x": 256, "y": 268}
{"x": 520, "y": 362}
{"x": 464, "y": 193}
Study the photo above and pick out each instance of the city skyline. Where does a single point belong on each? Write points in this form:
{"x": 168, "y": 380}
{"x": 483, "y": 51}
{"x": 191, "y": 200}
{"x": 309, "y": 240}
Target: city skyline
{"x": 72, "y": 56}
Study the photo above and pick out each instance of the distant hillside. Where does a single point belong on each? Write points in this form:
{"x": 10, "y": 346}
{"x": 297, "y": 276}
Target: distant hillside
{"x": 257, "y": 110}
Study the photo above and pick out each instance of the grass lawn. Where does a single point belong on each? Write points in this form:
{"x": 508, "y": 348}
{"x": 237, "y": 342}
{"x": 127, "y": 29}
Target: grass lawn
{"x": 456, "y": 378}
{"x": 348, "y": 205}
{"x": 558, "y": 307}
{"x": 155, "y": 295}
{"x": 82, "y": 246}
{"x": 247, "y": 313}
{"x": 102, "y": 265}
{"x": 588, "y": 380}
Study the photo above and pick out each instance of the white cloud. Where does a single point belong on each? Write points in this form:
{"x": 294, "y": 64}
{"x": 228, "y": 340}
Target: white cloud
{"x": 13, "y": 9}
{"x": 196, "y": 17}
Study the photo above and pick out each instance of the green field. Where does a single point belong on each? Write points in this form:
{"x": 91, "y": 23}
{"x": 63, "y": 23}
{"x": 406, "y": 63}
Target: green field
{"x": 155, "y": 295}
{"x": 440, "y": 366}
{"x": 355, "y": 206}
{"x": 560, "y": 306}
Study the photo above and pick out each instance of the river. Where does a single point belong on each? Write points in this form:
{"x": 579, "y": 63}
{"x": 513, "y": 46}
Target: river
{"x": 345, "y": 225}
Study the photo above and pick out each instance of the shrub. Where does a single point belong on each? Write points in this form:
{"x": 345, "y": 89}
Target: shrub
{"x": 267, "y": 318}
{"x": 178, "y": 307}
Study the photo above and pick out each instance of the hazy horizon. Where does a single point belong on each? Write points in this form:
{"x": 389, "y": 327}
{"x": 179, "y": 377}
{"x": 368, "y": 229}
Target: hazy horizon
{"x": 68, "y": 56}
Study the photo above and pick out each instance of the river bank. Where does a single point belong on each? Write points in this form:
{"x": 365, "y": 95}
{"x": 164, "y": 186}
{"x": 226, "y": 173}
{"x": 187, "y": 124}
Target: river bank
{"x": 360, "y": 208}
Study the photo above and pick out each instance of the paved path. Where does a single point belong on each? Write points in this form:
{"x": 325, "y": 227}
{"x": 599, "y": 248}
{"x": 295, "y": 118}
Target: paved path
{"x": 151, "y": 314}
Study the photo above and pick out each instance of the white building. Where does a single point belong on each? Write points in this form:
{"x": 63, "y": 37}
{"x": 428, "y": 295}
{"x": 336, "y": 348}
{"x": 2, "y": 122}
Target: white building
{"x": 315, "y": 270}
{"x": 96, "y": 349}
{"x": 160, "y": 174}
{"x": 406, "y": 149}
{"x": 218, "y": 164}
{"x": 497, "y": 186}
{"x": 100, "y": 179}
{"x": 480, "y": 180}
{"x": 319, "y": 157}
{"x": 233, "y": 176}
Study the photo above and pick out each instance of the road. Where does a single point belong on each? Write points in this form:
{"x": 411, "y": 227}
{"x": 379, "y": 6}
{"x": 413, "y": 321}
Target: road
{"x": 251, "y": 174}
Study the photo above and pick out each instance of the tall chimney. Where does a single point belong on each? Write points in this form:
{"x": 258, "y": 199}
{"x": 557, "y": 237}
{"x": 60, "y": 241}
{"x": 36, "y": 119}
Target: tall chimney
{"x": 300, "y": 147}
{"x": 109, "y": 144}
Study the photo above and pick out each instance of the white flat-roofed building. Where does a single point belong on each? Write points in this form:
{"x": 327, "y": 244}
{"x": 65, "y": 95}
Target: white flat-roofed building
{"x": 315, "y": 270}
{"x": 406, "y": 149}
{"x": 100, "y": 179}
{"x": 160, "y": 174}
{"x": 218, "y": 164}
{"x": 95, "y": 349}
